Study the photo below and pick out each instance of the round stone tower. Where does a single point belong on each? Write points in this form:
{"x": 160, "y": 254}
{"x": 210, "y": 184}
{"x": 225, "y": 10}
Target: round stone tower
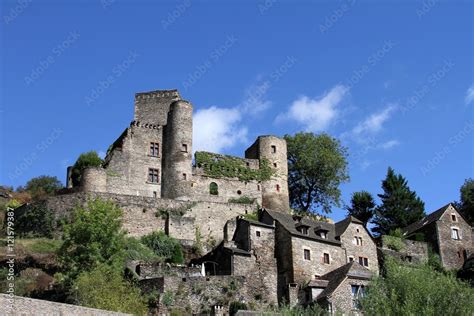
{"x": 94, "y": 179}
{"x": 273, "y": 150}
{"x": 177, "y": 151}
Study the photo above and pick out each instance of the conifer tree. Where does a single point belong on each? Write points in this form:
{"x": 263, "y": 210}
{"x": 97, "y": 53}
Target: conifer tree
{"x": 400, "y": 206}
{"x": 362, "y": 206}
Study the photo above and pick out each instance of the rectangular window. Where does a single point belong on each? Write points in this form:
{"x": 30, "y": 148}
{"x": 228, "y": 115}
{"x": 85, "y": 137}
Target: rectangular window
{"x": 323, "y": 234}
{"x": 185, "y": 176}
{"x": 257, "y": 233}
{"x": 274, "y": 165}
{"x": 453, "y": 217}
{"x": 154, "y": 149}
{"x": 184, "y": 148}
{"x": 278, "y": 188}
{"x": 274, "y": 149}
{"x": 351, "y": 259}
{"x": 357, "y": 292}
{"x": 153, "y": 175}
{"x": 307, "y": 254}
{"x": 326, "y": 258}
{"x": 357, "y": 241}
{"x": 364, "y": 261}
{"x": 455, "y": 233}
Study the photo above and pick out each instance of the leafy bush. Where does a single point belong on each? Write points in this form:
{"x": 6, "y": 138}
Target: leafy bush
{"x": 135, "y": 250}
{"x": 43, "y": 186}
{"x": 234, "y": 307}
{"x": 242, "y": 200}
{"x": 35, "y": 220}
{"x": 251, "y": 216}
{"x": 104, "y": 288}
{"x": 167, "y": 298}
{"x": 393, "y": 242}
{"x": 88, "y": 159}
{"x": 417, "y": 290}
{"x": 164, "y": 246}
{"x": 93, "y": 237}
{"x": 298, "y": 310}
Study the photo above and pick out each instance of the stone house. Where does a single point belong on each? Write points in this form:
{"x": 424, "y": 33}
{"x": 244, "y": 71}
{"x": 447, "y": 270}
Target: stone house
{"x": 309, "y": 250}
{"x": 447, "y": 233}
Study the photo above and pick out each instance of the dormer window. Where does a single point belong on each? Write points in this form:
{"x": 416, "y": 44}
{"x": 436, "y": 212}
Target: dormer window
{"x": 323, "y": 233}
{"x": 303, "y": 230}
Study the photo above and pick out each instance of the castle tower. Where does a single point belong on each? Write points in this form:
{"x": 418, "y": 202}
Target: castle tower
{"x": 177, "y": 151}
{"x": 272, "y": 150}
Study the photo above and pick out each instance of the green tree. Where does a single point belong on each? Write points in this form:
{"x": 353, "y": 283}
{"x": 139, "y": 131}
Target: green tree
{"x": 362, "y": 206}
{"x": 317, "y": 165}
{"x": 43, "y": 186}
{"x": 93, "y": 237}
{"x": 105, "y": 288}
{"x": 400, "y": 206}
{"x": 164, "y": 246}
{"x": 417, "y": 290}
{"x": 466, "y": 204}
{"x": 88, "y": 159}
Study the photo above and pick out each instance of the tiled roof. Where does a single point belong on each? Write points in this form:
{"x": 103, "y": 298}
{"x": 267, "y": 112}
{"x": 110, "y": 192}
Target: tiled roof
{"x": 341, "y": 226}
{"x": 290, "y": 224}
{"x": 336, "y": 277}
{"x": 433, "y": 217}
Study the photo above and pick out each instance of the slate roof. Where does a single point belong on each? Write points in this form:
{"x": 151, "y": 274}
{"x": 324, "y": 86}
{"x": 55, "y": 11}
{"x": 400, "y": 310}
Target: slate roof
{"x": 290, "y": 224}
{"x": 336, "y": 277}
{"x": 341, "y": 226}
{"x": 433, "y": 217}
{"x": 256, "y": 223}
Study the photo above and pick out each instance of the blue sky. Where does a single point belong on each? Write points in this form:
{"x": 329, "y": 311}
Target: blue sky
{"x": 393, "y": 81}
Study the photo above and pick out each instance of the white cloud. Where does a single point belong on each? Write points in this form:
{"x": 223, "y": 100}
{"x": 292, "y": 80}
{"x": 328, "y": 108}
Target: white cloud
{"x": 469, "y": 95}
{"x": 316, "y": 114}
{"x": 215, "y": 129}
{"x": 255, "y": 100}
{"x": 374, "y": 122}
{"x": 389, "y": 144}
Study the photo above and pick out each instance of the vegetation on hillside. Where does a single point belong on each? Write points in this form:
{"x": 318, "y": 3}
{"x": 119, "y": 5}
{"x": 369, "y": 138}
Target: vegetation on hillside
{"x": 417, "y": 290}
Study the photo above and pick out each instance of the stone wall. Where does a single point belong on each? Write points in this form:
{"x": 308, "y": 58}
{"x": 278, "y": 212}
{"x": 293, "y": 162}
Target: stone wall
{"x": 341, "y": 298}
{"x": 27, "y": 306}
{"x": 368, "y": 249}
{"x": 261, "y": 267}
{"x": 149, "y": 270}
{"x": 194, "y": 295}
{"x": 453, "y": 252}
{"x": 305, "y": 270}
{"x": 140, "y": 214}
{"x": 412, "y": 251}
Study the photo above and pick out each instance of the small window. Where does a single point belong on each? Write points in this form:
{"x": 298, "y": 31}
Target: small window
{"x": 153, "y": 175}
{"x": 357, "y": 229}
{"x": 357, "y": 241}
{"x": 303, "y": 230}
{"x": 185, "y": 176}
{"x": 274, "y": 149}
{"x": 351, "y": 259}
{"x": 363, "y": 261}
{"x": 307, "y": 254}
{"x": 326, "y": 258}
{"x": 184, "y": 148}
{"x": 257, "y": 233}
{"x": 459, "y": 254}
{"x": 213, "y": 189}
{"x": 357, "y": 292}
{"x": 258, "y": 187}
{"x": 274, "y": 165}
{"x": 323, "y": 234}
{"x": 154, "y": 194}
{"x": 239, "y": 192}
{"x": 453, "y": 217}
{"x": 278, "y": 188}
{"x": 154, "y": 149}
{"x": 455, "y": 233}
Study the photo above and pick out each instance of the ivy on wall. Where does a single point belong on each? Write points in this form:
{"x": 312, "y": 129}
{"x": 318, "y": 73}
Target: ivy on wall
{"x": 220, "y": 166}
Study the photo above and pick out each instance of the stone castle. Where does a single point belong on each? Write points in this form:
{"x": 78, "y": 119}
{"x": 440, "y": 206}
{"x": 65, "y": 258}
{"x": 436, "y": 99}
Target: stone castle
{"x": 253, "y": 250}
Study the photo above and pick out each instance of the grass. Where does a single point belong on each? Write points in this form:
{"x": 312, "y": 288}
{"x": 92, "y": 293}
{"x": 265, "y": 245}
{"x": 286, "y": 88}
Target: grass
{"x": 36, "y": 245}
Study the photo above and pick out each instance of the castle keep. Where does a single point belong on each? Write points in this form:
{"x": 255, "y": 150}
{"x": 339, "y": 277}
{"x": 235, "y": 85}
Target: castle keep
{"x": 252, "y": 249}
{"x": 154, "y": 158}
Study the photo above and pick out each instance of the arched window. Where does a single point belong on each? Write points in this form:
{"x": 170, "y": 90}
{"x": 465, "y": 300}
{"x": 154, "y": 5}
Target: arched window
{"x": 213, "y": 189}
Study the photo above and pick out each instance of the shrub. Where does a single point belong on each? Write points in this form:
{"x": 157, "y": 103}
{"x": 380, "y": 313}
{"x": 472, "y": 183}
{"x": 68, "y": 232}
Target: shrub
{"x": 41, "y": 245}
{"x": 235, "y": 306}
{"x": 104, "y": 288}
{"x": 135, "y": 250}
{"x": 164, "y": 246}
{"x": 94, "y": 236}
{"x": 88, "y": 159}
{"x": 43, "y": 186}
{"x": 167, "y": 298}
{"x": 242, "y": 200}
{"x": 417, "y": 290}
{"x": 34, "y": 220}
{"x": 393, "y": 242}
